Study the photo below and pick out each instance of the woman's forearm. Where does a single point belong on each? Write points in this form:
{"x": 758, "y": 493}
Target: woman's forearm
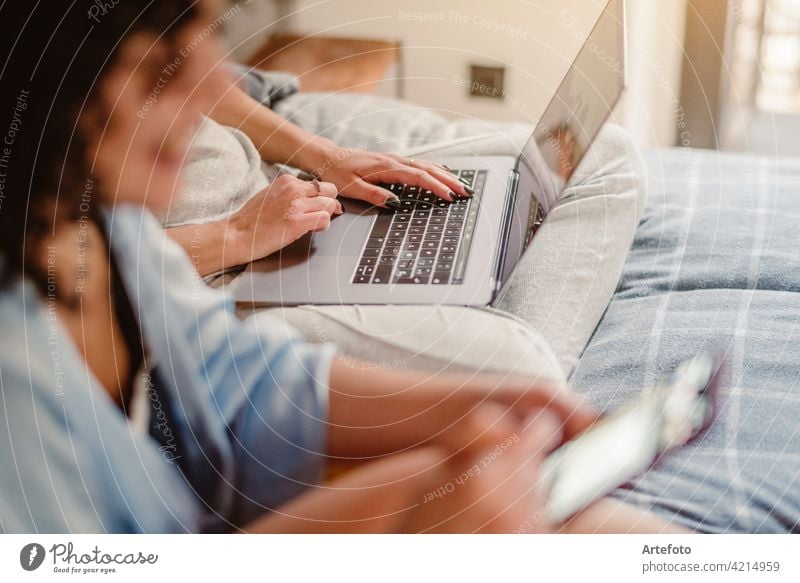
{"x": 277, "y": 139}
{"x": 210, "y": 246}
{"x": 375, "y": 412}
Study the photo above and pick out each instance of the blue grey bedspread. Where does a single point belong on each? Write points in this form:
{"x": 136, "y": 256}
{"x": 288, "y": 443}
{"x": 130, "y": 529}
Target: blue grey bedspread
{"x": 715, "y": 264}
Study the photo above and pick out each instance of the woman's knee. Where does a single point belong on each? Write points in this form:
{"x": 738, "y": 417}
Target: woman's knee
{"x": 613, "y": 168}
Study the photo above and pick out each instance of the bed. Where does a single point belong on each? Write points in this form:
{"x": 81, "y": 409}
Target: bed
{"x": 714, "y": 265}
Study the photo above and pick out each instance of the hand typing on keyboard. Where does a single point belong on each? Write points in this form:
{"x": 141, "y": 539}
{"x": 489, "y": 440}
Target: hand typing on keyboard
{"x": 359, "y": 174}
{"x": 425, "y": 240}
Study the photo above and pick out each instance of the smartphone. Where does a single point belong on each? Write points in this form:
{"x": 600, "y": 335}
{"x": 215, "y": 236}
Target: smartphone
{"x": 627, "y": 442}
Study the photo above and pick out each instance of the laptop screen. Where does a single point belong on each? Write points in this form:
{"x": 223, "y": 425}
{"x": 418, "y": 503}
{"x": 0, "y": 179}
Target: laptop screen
{"x": 581, "y": 104}
{"x": 569, "y": 124}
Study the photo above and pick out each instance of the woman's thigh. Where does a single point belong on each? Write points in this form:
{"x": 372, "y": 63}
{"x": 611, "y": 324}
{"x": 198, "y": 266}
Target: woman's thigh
{"x": 432, "y": 338}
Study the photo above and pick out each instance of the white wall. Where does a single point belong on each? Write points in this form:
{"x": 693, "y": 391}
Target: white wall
{"x": 253, "y": 21}
{"x": 441, "y": 38}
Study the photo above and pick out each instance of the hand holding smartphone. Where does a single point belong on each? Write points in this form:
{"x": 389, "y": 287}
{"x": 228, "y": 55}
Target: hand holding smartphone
{"x": 628, "y": 441}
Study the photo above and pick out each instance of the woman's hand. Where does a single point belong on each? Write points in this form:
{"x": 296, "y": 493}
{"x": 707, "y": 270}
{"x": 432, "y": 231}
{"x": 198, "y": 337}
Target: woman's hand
{"x": 522, "y": 396}
{"x": 491, "y": 485}
{"x": 358, "y": 174}
{"x": 280, "y": 214}
{"x": 275, "y": 217}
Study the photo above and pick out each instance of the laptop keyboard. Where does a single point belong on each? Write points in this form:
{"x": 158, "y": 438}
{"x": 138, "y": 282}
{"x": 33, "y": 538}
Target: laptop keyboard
{"x": 426, "y": 240}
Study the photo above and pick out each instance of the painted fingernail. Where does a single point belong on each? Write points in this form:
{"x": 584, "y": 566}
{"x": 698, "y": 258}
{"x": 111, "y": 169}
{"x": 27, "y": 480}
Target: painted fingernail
{"x": 446, "y": 167}
{"x": 453, "y": 194}
{"x": 392, "y": 203}
{"x": 469, "y": 190}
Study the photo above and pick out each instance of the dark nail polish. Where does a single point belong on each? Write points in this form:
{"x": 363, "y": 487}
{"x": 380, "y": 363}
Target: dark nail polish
{"x": 469, "y": 190}
{"x": 392, "y": 204}
{"x": 453, "y": 194}
{"x": 446, "y": 167}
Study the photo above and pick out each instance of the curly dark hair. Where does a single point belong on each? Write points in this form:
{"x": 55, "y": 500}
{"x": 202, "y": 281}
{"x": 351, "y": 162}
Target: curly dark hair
{"x": 56, "y": 55}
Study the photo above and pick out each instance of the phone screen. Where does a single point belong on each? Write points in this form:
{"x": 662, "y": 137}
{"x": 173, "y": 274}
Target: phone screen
{"x": 628, "y": 441}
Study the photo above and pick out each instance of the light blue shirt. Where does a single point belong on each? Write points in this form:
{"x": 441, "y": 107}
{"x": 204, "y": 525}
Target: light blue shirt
{"x": 238, "y": 409}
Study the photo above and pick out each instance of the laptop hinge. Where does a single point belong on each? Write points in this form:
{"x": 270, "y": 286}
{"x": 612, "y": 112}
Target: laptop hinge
{"x": 505, "y": 231}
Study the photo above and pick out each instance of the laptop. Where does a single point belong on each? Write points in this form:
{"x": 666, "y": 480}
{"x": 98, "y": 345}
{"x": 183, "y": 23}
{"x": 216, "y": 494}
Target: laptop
{"x": 429, "y": 251}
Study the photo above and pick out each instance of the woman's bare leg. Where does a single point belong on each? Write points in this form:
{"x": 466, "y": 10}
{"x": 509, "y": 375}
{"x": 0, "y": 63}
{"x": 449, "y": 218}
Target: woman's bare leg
{"x": 611, "y": 516}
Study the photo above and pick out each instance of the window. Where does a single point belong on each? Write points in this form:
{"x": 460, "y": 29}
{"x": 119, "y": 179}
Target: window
{"x": 766, "y": 54}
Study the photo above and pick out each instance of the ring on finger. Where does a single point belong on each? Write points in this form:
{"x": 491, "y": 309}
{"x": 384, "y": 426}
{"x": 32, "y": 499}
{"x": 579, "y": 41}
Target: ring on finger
{"x": 317, "y": 187}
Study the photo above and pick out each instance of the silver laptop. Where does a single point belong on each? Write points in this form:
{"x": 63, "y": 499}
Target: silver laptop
{"x": 432, "y": 251}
